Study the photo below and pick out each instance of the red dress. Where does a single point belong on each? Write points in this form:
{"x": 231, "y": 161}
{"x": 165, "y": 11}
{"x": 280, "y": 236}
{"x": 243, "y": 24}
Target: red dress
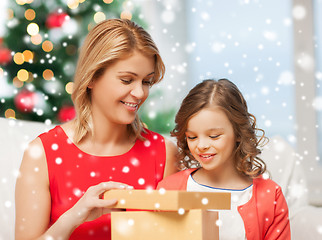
{"x": 71, "y": 172}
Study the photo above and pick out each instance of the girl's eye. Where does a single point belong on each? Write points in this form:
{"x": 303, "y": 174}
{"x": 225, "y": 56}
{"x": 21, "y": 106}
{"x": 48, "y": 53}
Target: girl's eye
{"x": 191, "y": 138}
{"x": 214, "y": 136}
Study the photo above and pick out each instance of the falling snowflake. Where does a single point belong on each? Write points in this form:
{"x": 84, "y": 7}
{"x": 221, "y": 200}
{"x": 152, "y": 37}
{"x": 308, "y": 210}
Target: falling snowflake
{"x": 54, "y": 146}
{"x": 141, "y": 181}
{"x": 58, "y": 161}
{"x": 125, "y": 169}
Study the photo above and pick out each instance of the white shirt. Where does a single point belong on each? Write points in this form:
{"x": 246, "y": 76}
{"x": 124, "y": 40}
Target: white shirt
{"x": 231, "y": 225}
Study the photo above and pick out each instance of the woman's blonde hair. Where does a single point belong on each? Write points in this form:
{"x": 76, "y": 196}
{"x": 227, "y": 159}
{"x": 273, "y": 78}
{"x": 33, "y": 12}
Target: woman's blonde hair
{"x": 225, "y": 95}
{"x": 106, "y": 43}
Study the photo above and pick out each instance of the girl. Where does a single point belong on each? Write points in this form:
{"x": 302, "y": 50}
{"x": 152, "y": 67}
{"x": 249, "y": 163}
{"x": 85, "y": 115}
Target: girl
{"x": 217, "y": 138}
{"x": 64, "y": 171}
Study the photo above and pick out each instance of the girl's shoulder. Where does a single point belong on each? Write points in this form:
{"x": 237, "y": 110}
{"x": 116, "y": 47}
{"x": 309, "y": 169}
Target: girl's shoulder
{"x": 176, "y": 181}
{"x": 264, "y": 183}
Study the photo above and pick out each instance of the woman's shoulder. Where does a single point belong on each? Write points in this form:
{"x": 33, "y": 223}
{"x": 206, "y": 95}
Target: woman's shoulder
{"x": 149, "y": 134}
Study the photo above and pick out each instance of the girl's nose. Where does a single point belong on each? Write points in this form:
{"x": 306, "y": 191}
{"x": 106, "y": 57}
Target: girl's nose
{"x": 203, "y": 145}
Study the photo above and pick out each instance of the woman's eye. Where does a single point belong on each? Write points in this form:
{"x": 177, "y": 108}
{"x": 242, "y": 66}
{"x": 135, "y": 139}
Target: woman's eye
{"x": 149, "y": 83}
{"x": 125, "y": 81}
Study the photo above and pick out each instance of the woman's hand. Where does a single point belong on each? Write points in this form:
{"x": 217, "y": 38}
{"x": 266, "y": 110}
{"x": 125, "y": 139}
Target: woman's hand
{"x": 33, "y": 201}
{"x": 91, "y": 206}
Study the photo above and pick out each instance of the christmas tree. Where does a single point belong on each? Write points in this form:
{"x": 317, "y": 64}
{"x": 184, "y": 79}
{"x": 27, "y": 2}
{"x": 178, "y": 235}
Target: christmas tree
{"x": 39, "y": 52}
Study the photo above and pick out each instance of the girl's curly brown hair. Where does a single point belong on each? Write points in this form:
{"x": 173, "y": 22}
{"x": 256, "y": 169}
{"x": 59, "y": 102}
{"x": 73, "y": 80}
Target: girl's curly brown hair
{"x": 224, "y": 94}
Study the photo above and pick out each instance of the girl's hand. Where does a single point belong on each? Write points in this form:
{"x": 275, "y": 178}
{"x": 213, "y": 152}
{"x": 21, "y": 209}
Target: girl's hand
{"x": 91, "y": 206}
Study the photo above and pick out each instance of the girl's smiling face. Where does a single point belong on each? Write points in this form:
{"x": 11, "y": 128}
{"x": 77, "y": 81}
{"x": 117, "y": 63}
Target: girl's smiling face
{"x": 211, "y": 139}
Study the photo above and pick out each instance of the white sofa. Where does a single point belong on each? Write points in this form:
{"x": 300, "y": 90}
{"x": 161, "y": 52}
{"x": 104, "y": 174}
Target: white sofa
{"x": 306, "y": 221}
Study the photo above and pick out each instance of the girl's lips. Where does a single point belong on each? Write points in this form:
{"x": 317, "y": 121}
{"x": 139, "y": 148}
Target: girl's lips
{"x": 206, "y": 157}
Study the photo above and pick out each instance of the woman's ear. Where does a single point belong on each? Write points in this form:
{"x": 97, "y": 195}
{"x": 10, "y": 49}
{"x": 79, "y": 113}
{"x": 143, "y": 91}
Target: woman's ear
{"x": 90, "y": 85}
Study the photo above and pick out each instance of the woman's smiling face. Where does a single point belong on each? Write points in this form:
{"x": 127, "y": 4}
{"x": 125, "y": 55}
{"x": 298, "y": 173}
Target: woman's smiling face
{"x": 123, "y": 87}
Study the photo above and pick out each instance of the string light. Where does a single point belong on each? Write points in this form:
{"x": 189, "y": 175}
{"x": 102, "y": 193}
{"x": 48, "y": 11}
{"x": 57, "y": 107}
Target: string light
{"x": 47, "y": 46}
{"x": 31, "y": 77}
{"x": 72, "y": 4}
{"x": 48, "y": 74}
{"x": 99, "y": 17}
{"x": 17, "y": 83}
{"x": 23, "y": 75}
{"x": 69, "y": 87}
{"x": 126, "y": 15}
{"x": 32, "y": 29}
{"x": 10, "y": 14}
{"x": 28, "y": 55}
{"x": 10, "y": 113}
{"x": 30, "y": 14}
{"x": 36, "y": 39}
{"x": 71, "y": 50}
{"x": 18, "y": 58}
{"x": 23, "y": 2}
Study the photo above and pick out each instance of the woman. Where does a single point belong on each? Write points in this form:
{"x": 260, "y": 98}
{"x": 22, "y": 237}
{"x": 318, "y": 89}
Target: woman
{"x": 65, "y": 171}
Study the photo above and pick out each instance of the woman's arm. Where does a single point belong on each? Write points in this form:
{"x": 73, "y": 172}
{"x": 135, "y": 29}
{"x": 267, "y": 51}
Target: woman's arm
{"x": 171, "y": 165}
{"x": 33, "y": 201}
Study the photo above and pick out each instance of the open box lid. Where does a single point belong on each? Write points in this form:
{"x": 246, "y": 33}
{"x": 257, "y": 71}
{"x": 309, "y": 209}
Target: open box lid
{"x": 168, "y": 200}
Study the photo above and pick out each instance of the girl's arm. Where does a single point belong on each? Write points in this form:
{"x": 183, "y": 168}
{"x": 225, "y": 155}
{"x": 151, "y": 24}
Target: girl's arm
{"x": 280, "y": 228}
{"x": 33, "y": 201}
{"x": 171, "y": 158}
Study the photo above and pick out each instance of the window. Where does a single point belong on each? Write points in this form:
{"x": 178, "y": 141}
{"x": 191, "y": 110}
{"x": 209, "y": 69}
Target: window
{"x": 250, "y": 43}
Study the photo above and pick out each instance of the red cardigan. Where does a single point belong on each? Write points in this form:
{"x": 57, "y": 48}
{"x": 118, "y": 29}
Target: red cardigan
{"x": 265, "y": 215}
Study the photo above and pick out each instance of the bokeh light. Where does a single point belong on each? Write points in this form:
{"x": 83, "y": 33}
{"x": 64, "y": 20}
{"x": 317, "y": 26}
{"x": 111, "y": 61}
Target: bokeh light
{"x": 36, "y": 39}
{"x": 30, "y": 14}
{"x": 10, "y": 14}
{"x": 18, "y": 58}
{"x": 10, "y": 113}
{"x": 28, "y": 55}
{"x": 48, "y": 74}
{"x": 47, "y": 46}
{"x": 99, "y": 17}
{"x": 23, "y": 75}
{"x": 126, "y": 15}
{"x": 71, "y": 50}
{"x": 108, "y": 1}
{"x": 17, "y": 83}
{"x": 32, "y": 29}
{"x": 69, "y": 87}
{"x": 72, "y": 4}
{"x": 22, "y": 2}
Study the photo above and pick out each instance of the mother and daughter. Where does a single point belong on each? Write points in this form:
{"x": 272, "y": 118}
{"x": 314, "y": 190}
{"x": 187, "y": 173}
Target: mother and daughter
{"x": 65, "y": 170}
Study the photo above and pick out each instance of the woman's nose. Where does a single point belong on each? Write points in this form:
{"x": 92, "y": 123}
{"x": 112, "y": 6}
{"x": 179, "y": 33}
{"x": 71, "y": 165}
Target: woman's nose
{"x": 138, "y": 91}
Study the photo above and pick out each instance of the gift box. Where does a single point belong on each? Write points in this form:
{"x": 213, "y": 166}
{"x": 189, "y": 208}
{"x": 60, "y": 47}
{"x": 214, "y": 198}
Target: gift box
{"x": 194, "y": 224}
{"x": 175, "y": 215}
{"x": 168, "y": 200}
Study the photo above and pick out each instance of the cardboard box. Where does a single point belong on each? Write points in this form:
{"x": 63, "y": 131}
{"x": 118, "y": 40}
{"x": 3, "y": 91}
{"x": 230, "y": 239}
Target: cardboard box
{"x": 191, "y": 225}
{"x": 168, "y": 200}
